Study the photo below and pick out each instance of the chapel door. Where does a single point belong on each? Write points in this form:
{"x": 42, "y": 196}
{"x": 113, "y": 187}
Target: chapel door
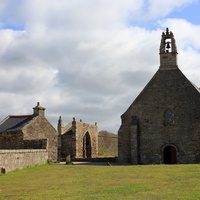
{"x": 169, "y": 155}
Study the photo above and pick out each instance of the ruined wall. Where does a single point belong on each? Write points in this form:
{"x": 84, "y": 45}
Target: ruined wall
{"x": 11, "y": 140}
{"x": 68, "y": 144}
{"x": 39, "y": 129}
{"x": 81, "y": 129}
{"x": 18, "y": 159}
{"x": 108, "y": 142}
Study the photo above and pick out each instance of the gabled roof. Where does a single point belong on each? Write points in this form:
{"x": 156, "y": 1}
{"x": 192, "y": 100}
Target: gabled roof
{"x": 67, "y": 128}
{"x": 15, "y": 122}
{"x": 165, "y": 88}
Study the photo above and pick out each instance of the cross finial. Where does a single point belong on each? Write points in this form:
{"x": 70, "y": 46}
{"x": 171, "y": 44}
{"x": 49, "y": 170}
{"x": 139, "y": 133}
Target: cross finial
{"x": 167, "y": 31}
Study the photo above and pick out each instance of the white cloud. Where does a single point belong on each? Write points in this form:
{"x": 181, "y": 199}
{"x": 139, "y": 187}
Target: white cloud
{"x": 85, "y": 59}
{"x": 187, "y": 34}
{"x": 188, "y": 46}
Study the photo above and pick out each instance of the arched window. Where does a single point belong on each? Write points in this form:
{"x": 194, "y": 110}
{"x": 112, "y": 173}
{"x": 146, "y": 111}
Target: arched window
{"x": 168, "y": 117}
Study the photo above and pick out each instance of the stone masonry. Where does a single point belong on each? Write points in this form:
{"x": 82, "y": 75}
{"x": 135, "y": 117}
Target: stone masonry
{"x": 18, "y": 159}
{"x": 77, "y": 139}
{"x": 29, "y": 132}
{"x": 162, "y": 125}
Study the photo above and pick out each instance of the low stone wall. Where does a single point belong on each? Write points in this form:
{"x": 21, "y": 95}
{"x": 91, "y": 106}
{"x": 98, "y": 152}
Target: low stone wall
{"x": 18, "y": 159}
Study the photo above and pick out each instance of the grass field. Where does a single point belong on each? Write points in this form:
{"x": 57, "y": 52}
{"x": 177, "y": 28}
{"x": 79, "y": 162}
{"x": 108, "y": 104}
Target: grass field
{"x": 107, "y": 153}
{"x": 53, "y": 181}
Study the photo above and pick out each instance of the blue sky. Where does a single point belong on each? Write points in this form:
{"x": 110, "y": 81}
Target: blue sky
{"x": 16, "y": 27}
{"x": 191, "y": 13}
{"x": 89, "y": 59}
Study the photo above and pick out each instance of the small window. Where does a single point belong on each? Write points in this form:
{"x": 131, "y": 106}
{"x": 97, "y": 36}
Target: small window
{"x": 168, "y": 117}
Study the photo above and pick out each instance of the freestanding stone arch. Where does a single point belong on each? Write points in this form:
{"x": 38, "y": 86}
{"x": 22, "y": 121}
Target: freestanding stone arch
{"x": 77, "y": 139}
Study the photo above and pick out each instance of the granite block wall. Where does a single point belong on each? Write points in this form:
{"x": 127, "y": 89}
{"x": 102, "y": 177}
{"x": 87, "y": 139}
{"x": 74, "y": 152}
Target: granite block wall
{"x": 19, "y": 159}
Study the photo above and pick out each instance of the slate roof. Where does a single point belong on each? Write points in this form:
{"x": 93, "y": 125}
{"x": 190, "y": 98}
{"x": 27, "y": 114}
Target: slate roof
{"x": 15, "y": 122}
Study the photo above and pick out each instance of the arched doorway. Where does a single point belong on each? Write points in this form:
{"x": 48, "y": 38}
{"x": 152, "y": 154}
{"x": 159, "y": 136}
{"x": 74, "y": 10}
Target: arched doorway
{"x": 169, "y": 155}
{"x": 86, "y": 146}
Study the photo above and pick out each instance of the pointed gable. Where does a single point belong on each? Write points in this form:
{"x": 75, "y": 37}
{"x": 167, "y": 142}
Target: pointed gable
{"x": 17, "y": 122}
{"x": 166, "y": 87}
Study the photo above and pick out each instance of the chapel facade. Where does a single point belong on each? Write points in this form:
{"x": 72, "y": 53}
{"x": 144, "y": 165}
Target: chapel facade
{"x": 162, "y": 125}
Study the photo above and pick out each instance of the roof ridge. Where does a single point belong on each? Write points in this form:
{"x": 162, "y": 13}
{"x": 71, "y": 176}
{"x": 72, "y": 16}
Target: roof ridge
{"x": 28, "y": 115}
{"x": 67, "y": 127}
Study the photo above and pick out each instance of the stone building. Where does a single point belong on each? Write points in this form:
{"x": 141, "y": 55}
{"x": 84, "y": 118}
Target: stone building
{"x": 77, "y": 139}
{"x": 162, "y": 125}
{"x": 32, "y": 131}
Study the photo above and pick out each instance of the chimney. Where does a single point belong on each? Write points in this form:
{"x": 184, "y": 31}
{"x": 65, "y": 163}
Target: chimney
{"x": 38, "y": 110}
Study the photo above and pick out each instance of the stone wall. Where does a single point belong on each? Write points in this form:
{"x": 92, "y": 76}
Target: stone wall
{"x": 35, "y": 144}
{"x": 78, "y": 139}
{"x": 11, "y": 140}
{"x": 68, "y": 145}
{"x": 19, "y": 159}
{"x": 40, "y": 129}
{"x": 110, "y": 143}
{"x": 81, "y": 130}
{"x": 169, "y": 91}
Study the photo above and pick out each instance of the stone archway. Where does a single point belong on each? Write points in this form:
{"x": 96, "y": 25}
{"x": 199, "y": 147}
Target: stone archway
{"x": 87, "y": 146}
{"x": 170, "y": 155}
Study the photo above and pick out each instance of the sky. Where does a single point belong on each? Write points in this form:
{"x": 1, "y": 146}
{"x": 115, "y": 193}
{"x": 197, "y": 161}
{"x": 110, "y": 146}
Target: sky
{"x": 89, "y": 59}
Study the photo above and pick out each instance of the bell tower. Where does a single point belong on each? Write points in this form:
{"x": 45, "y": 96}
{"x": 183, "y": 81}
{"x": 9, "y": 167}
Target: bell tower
{"x": 168, "y": 51}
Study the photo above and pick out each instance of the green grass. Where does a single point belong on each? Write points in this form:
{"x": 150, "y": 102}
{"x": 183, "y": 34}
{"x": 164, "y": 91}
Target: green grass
{"x": 107, "y": 153}
{"x": 53, "y": 181}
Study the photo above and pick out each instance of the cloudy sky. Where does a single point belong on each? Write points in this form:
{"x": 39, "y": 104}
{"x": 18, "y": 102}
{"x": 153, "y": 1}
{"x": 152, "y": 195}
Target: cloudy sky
{"x": 89, "y": 59}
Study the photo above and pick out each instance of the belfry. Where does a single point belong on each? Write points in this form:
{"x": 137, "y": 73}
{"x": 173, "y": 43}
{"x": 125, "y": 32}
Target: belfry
{"x": 168, "y": 51}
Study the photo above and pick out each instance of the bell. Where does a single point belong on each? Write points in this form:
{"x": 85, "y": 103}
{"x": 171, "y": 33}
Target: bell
{"x": 168, "y": 45}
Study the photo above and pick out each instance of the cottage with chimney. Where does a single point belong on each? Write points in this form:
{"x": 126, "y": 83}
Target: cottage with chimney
{"x": 31, "y": 131}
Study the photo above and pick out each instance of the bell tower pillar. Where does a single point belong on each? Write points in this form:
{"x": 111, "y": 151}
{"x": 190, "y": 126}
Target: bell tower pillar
{"x": 168, "y": 51}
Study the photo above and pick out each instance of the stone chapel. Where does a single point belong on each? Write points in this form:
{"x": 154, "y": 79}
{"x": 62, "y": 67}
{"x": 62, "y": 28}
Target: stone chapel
{"x": 162, "y": 125}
